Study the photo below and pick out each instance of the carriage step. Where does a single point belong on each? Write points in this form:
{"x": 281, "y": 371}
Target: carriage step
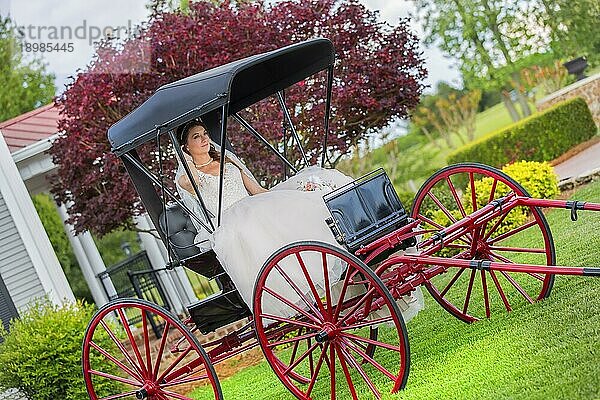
{"x": 218, "y": 310}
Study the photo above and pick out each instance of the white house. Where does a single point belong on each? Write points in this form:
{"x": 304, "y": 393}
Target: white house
{"x": 29, "y": 268}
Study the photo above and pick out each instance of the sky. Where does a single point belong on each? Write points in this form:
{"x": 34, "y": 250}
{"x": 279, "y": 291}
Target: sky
{"x": 71, "y": 26}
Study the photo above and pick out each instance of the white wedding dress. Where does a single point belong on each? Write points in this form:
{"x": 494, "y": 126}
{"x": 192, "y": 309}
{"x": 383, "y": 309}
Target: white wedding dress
{"x": 254, "y": 227}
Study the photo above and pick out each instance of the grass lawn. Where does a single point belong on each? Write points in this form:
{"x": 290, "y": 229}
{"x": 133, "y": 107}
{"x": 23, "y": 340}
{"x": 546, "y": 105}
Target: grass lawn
{"x": 549, "y": 350}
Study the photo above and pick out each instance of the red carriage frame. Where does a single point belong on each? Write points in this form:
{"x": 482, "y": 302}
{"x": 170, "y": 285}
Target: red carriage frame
{"x": 347, "y": 327}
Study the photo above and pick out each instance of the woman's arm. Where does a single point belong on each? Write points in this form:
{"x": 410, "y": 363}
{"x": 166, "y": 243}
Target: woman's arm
{"x": 184, "y": 180}
{"x": 252, "y": 187}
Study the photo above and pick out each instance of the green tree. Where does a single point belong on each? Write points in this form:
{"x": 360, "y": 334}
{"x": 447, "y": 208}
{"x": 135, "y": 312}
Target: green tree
{"x": 25, "y": 83}
{"x": 488, "y": 37}
{"x": 574, "y": 27}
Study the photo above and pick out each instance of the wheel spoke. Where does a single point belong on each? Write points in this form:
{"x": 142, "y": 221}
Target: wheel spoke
{"x": 342, "y": 295}
{"x": 326, "y": 283}
{"x": 367, "y": 323}
{"x": 298, "y": 291}
{"x": 430, "y": 221}
{"x": 332, "y": 371}
{"x": 452, "y": 281}
{"x": 519, "y": 249}
{"x": 490, "y": 198}
{"x": 122, "y": 348}
{"x": 536, "y": 276}
{"x": 175, "y": 395}
{"x": 313, "y": 378}
{"x": 310, "y": 357}
{"x": 512, "y": 232}
{"x": 470, "y": 288}
{"x": 486, "y": 298}
{"x": 146, "y": 340}
{"x": 175, "y": 363}
{"x": 361, "y": 372}
{"x": 457, "y": 246}
{"x": 369, "y": 359}
{"x": 134, "y": 346}
{"x": 500, "y": 291}
{"x": 289, "y": 321}
{"x": 295, "y": 349}
{"x": 163, "y": 342}
{"x": 311, "y": 285}
{"x": 371, "y": 341}
{"x": 346, "y": 372}
{"x": 517, "y": 286}
{"x": 302, "y": 357}
{"x": 115, "y": 378}
{"x": 500, "y": 257}
{"x": 456, "y": 198}
{"x": 495, "y": 226}
{"x": 186, "y": 379}
{"x": 473, "y": 192}
{"x": 120, "y": 395}
{"x": 366, "y": 296}
{"x": 441, "y": 206}
{"x": 115, "y": 361}
{"x": 290, "y": 304}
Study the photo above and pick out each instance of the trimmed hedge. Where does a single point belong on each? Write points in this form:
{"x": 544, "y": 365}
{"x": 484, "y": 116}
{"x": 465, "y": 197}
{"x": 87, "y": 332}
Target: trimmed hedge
{"x": 541, "y": 137}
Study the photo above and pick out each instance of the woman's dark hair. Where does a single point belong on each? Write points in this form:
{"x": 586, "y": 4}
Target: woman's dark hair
{"x": 185, "y": 132}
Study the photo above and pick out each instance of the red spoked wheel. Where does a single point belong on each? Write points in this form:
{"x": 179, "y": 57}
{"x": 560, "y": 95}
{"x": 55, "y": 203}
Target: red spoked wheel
{"x": 521, "y": 235}
{"x": 134, "y": 349}
{"x": 316, "y": 308}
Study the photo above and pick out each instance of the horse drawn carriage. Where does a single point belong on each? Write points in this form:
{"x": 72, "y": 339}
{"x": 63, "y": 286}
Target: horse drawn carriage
{"x": 474, "y": 238}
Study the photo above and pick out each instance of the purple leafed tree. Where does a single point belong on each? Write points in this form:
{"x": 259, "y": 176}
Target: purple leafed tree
{"x": 378, "y": 76}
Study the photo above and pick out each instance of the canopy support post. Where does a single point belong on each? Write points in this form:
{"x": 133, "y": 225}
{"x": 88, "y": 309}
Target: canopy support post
{"x": 327, "y": 112}
{"x": 224, "y": 110}
{"x": 186, "y": 167}
{"x": 284, "y": 136}
{"x": 288, "y": 118}
{"x": 264, "y": 141}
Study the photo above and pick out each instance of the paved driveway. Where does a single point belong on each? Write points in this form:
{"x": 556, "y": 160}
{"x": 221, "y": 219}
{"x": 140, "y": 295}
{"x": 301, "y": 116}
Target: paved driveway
{"x": 587, "y": 160}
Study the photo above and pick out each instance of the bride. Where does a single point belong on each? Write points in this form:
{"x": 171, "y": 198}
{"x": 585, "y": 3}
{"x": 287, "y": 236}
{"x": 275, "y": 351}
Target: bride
{"x": 255, "y": 221}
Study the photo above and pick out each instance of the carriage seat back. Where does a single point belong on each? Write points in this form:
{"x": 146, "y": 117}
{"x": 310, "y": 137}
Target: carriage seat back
{"x": 176, "y": 225}
{"x": 366, "y": 209}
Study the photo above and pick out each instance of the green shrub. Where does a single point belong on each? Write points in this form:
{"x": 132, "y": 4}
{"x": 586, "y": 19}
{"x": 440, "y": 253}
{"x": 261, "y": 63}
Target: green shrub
{"x": 41, "y": 355}
{"x": 539, "y": 179}
{"x": 542, "y": 137}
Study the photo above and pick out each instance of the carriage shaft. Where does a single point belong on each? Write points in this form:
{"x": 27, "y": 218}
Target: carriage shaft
{"x": 443, "y": 264}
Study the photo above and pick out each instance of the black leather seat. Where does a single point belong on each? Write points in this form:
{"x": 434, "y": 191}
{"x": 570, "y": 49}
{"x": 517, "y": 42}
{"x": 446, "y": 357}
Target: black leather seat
{"x": 220, "y": 308}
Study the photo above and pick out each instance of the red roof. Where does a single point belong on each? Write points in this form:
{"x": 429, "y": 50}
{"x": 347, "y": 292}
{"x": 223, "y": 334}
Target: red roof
{"x": 30, "y": 127}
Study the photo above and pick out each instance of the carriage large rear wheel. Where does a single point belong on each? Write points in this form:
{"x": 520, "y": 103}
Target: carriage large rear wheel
{"x": 134, "y": 349}
{"x": 521, "y": 235}
{"x": 314, "y": 313}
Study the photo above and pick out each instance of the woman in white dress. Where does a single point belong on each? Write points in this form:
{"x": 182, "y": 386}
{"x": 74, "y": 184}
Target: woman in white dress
{"x": 257, "y": 222}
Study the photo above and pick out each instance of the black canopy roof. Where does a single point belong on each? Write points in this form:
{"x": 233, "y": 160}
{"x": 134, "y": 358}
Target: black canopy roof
{"x": 240, "y": 83}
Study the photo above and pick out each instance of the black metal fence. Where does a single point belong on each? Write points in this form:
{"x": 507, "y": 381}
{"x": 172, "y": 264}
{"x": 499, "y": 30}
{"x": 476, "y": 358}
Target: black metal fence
{"x": 134, "y": 277}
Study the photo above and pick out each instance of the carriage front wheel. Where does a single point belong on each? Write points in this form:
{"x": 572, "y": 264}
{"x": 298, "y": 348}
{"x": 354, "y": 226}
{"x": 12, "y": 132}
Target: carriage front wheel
{"x": 315, "y": 308}
{"x": 521, "y": 235}
{"x": 134, "y": 349}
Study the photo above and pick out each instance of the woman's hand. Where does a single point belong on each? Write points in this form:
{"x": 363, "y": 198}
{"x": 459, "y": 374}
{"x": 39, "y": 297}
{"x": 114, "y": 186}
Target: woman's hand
{"x": 251, "y": 186}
